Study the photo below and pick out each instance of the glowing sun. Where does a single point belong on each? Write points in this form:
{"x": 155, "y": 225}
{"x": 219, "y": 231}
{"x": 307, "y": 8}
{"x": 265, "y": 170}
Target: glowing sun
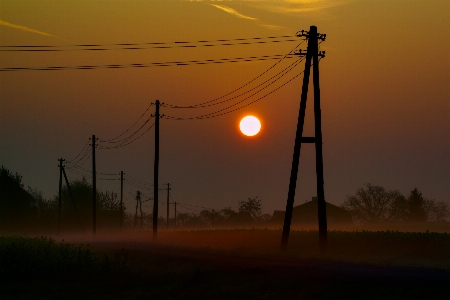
{"x": 250, "y": 125}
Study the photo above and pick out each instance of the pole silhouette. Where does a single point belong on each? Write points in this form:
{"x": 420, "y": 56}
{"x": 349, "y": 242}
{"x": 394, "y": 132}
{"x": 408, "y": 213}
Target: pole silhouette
{"x": 94, "y": 188}
{"x": 73, "y": 199}
{"x": 61, "y": 166}
{"x": 121, "y": 199}
{"x": 321, "y": 205}
{"x": 312, "y": 55}
{"x": 155, "y": 173}
{"x": 168, "y": 194}
{"x": 175, "y": 215}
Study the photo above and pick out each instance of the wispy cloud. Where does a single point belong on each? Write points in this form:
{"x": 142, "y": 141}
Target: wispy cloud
{"x": 24, "y": 28}
{"x": 298, "y": 6}
{"x": 233, "y": 12}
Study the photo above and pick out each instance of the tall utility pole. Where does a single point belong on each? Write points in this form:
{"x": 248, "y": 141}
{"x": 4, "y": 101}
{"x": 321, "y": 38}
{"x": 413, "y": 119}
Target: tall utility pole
{"x": 61, "y": 166}
{"x": 121, "y": 199}
{"x": 94, "y": 188}
{"x": 168, "y": 194}
{"x": 312, "y": 55}
{"x": 155, "y": 173}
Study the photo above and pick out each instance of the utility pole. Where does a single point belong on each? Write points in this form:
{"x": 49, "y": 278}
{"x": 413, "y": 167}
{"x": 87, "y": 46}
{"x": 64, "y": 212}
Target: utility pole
{"x": 138, "y": 196}
{"x": 175, "y": 214}
{"x": 73, "y": 199}
{"x": 155, "y": 172}
{"x": 121, "y": 199}
{"x": 312, "y": 55}
{"x": 168, "y": 193}
{"x": 321, "y": 204}
{"x": 140, "y": 210}
{"x": 94, "y": 188}
{"x": 61, "y": 166}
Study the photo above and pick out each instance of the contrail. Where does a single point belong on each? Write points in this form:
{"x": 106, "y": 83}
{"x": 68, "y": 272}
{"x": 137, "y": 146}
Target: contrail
{"x": 24, "y": 28}
{"x": 233, "y": 12}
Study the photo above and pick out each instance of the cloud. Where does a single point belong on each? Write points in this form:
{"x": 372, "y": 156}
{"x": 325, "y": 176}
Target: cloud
{"x": 24, "y": 28}
{"x": 233, "y": 12}
{"x": 298, "y": 6}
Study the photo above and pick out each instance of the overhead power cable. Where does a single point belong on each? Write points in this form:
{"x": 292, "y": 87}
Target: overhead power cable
{"x": 208, "y": 103}
{"x": 147, "y": 65}
{"x": 285, "y": 70}
{"x": 128, "y": 143}
{"x": 122, "y": 141}
{"x": 82, "y": 151}
{"x": 142, "y": 46}
{"x": 115, "y": 138}
{"x": 150, "y": 43}
{"x": 225, "y": 110}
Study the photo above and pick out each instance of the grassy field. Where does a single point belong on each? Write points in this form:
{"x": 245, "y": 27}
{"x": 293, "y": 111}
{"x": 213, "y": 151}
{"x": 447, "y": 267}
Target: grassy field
{"x": 227, "y": 264}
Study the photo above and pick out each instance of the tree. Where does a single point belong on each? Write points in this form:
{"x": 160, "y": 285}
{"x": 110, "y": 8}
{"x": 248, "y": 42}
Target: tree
{"x": 4, "y": 172}
{"x": 107, "y": 205}
{"x": 374, "y": 204}
{"x": 416, "y": 206}
{"x": 17, "y": 206}
{"x": 436, "y": 211}
{"x": 252, "y": 206}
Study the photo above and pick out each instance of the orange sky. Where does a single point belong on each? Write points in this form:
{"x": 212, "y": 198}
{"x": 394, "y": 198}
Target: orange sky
{"x": 384, "y": 87}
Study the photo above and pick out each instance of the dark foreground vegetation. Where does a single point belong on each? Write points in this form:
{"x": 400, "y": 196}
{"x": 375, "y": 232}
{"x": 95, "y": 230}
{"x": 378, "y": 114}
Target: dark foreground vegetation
{"x": 227, "y": 264}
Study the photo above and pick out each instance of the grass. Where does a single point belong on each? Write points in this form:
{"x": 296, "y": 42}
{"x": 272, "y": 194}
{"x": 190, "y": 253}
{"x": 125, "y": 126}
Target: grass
{"x": 220, "y": 264}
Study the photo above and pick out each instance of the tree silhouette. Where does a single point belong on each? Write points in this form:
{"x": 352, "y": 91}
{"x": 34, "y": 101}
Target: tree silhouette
{"x": 252, "y": 206}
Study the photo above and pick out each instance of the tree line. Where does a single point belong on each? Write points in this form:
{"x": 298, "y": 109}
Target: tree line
{"x": 373, "y": 203}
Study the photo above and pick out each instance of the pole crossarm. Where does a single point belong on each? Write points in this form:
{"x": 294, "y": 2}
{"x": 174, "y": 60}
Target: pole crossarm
{"x": 301, "y": 52}
{"x": 305, "y": 33}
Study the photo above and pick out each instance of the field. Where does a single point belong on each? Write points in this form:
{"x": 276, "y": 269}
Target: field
{"x": 227, "y": 264}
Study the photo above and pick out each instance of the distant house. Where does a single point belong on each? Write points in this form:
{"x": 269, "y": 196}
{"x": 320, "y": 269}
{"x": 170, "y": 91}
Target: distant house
{"x": 306, "y": 214}
{"x": 241, "y": 218}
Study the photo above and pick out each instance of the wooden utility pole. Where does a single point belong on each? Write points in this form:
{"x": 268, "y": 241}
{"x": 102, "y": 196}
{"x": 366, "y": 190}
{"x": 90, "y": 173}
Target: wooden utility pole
{"x": 168, "y": 194}
{"x": 321, "y": 210}
{"x": 155, "y": 173}
{"x": 138, "y": 197}
{"x": 175, "y": 215}
{"x": 61, "y": 166}
{"x": 312, "y": 55}
{"x": 94, "y": 188}
{"x": 121, "y": 199}
{"x": 73, "y": 199}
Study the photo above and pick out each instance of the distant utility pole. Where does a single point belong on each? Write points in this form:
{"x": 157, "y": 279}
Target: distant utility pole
{"x": 138, "y": 200}
{"x": 61, "y": 166}
{"x": 155, "y": 172}
{"x": 312, "y": 55}
{"x": 94, "y": 188}
{"x": 73, "y": 199}
{"x": 175, "y": 204}
{"x": 121, "y": 199}
{"x": 168, "y": 194}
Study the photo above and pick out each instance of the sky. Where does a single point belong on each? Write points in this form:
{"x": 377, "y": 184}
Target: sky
{"x": 384, "y": 83}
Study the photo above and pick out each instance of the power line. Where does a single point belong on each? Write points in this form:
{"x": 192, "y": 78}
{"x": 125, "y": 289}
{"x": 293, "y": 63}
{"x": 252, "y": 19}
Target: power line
{"x": 204, "y": 104}
{"x": 82, "y": 150}
{"x": 141, "y": 46}
{"x": 148, "y": 43}
{"x": 224, "y": 111}
{"x": 105, "y": 141}
{"x": 290, "y": 67}
{"x": 130, "y": 136}
{"x": 146, "y": 65}
{"x": 126, "y": 144}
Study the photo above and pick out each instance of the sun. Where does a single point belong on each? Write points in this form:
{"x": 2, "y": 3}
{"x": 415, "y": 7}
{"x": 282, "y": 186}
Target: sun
{"x": 250, "y": 125}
